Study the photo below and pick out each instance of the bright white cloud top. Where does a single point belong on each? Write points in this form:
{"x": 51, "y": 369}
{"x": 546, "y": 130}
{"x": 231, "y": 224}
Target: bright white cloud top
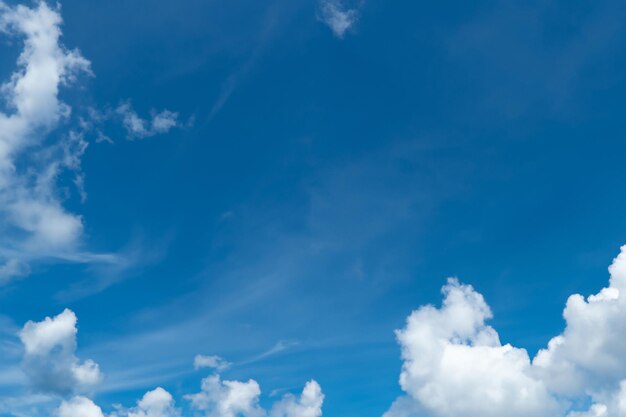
{"x": 455, "y": 365}
{"x": 49, "y": 357}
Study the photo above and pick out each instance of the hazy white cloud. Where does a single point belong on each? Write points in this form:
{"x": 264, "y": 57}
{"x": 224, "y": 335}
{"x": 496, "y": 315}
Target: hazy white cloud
{"x": 95, "y": 122}
{"x": 213, "y": 362}
{"x": 309, "y": 404}
{"x": 138, "y": 128}
{"x": 50, "y": 361}
{"x": 611, "y": 405}
{"x": 33, "y": 221}
{"x": 13, "y": 268}
{"x": 338, "y": 17}
{"x": 590, "y": 353}
{"x": 454, "y": 365}
{"x": 79, "y": 407}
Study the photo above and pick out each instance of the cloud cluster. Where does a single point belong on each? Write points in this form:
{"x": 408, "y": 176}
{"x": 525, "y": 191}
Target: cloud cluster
{"x": 338, "y": 17}
{"x": 454, "y": 363}
{"x": 52, "y": 368}
{"x": 155, "y": 403}
{"x": 219, "y": 398}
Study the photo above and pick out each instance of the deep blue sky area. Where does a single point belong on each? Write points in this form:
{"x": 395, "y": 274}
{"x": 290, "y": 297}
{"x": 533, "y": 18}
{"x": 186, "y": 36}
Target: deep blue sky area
{"x": 323, "y": 187}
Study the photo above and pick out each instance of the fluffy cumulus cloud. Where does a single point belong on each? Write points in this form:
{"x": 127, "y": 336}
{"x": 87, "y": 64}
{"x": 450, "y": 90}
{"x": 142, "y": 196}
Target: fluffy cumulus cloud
{"x": 454, "y": 363}
{"x": 50, "y": 361}
{"x": 589, "y": 356}
{"x": 309, "y": 404}
{"x": 155, "y": 403}
{"x": 339, "y": 18}
{"x": 79, "y": 407}
{"x": 219, "y": 398}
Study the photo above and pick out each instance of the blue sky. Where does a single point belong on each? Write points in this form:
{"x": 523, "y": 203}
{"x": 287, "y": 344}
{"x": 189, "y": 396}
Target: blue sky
{"x": 281, "y": 183}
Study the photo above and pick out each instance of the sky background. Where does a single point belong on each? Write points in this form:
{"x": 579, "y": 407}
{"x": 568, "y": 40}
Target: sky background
{"x": 321, "y": 187}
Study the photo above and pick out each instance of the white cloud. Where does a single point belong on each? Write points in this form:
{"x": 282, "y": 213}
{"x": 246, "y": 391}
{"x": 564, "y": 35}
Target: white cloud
{"x": 455, "y": 365}
{"x": 79, "y": 407}
{"x": 308, "y": 405}
{"x": 50, "y": 362}
{"x": 590, "y": 353}
{"x": 213, "y": 362}
{"x": 339, "y": 18}
{"x": 592, "y": 348}
{"x": 612, "y": 405}
{"x": 219, "y": 398}
{"x": 138, "y": 128}
{"x": 33, "y": 222}
{"x": 155, "y": 403}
